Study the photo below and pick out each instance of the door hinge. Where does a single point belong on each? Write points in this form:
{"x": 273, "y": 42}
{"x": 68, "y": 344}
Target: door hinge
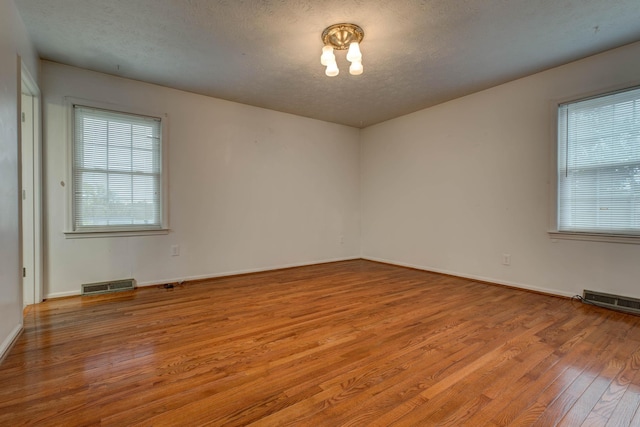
{"x": 24, "y": 271}
{"x": 24, "y": 194}
{"x": 24, "y": 117}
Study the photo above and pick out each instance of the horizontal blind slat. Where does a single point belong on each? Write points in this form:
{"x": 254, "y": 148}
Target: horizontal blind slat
{"x": 117, "y": 170}
{"x": 599, "y": 164}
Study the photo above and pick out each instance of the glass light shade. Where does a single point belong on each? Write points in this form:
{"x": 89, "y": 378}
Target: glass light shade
{"x": 356, "y": 68}
{"x": 327, "y": 56}
{"x": 332, "y": 69}
{"x": 354, "y": 54}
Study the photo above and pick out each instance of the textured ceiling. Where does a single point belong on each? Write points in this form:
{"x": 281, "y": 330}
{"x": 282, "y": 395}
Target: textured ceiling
{"x": 266, "y": 53}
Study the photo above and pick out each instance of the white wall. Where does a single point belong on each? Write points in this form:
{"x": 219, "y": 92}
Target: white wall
{"x": 250, "y": 188}
{"x": 14, "y": 42}
{"x": 453, "y": 187}
{"x": 450, "y": 188}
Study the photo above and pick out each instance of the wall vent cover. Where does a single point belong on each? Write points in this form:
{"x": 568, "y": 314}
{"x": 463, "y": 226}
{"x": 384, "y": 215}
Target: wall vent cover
{"x": 616, "y": 302}
{"x": 108, "y": 287}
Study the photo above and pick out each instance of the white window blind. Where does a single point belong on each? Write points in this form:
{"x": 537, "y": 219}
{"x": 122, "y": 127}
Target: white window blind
{"x": 599, "y": 164}
{"x": 117, "y": 171}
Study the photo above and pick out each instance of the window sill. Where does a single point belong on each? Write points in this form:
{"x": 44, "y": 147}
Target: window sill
{"x": 596, "y": 237}
{"x": 113, "y": 233}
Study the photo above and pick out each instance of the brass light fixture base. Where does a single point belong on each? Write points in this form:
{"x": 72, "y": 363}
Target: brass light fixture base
{"x": 339, "y": 36}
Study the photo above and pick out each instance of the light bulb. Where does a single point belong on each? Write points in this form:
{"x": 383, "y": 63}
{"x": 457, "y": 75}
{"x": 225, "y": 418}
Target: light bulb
{"x": 354, "y": 54}
{"x": 356, "y": 68}
{"x": 332, "y": 69}
{"x": 327, "y": 55}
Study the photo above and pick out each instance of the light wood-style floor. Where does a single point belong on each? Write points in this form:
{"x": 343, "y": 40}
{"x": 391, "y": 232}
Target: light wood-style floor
{"x": 351, "y": 343}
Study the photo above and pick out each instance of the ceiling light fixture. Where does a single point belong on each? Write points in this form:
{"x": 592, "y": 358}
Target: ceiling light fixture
{"x": 342, "y": 37}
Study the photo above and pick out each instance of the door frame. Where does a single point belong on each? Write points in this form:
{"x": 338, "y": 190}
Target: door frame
{"x": 30, "y": 88}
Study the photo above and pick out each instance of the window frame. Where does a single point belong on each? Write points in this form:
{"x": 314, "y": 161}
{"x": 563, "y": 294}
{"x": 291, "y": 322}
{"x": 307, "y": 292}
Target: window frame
{"x": 553, "y": 231}
{"x": 113, "y": 231}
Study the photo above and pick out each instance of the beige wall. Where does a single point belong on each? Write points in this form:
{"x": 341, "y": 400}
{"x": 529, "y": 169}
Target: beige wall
{"x": 250, "y": 188}
{"x": 14, "y": 42}
{"x": 453, "y": 187}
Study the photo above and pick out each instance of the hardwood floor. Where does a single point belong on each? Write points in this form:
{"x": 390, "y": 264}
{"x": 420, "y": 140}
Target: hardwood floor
{"x": 351, "y": 343}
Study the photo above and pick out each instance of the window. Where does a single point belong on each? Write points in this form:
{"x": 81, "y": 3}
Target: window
{"x": 117, "y": 171}
{"x": 599, "y": 165}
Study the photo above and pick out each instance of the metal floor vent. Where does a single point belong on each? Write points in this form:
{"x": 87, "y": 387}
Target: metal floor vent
{"x": 107, "y": 287}
{"x": 616, "y": 302}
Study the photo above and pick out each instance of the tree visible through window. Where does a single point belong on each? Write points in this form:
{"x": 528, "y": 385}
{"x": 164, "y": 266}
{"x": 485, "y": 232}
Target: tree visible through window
{"x": 117, "y": 171}
{"x": 599, "y": 164}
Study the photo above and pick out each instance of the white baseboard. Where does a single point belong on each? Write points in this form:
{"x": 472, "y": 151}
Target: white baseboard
{"x": 62, "y": 294}
{"x": 473, "y": 277}
{"x": 8, "y": 342}
{"x": 302, "y": 264}
{"x": 213, "y": 275}
{"x": 246, "y": 271}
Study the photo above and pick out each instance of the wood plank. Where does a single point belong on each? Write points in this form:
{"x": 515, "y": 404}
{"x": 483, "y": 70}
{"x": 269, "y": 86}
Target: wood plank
{"x": 349, "y": 343}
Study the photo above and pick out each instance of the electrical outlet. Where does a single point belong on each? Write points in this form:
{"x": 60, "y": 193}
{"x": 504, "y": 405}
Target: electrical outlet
{"x": 175, "y": 250}
{"x": 506, "y": 259}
